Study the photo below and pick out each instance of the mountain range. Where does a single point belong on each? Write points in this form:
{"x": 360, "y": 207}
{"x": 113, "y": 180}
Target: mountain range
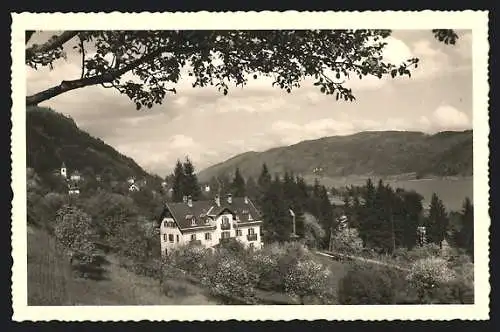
{"x": 53, "y": 138}
{"x": 372, "y": 153}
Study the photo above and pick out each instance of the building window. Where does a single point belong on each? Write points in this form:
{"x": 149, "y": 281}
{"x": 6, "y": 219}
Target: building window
{"x": 225, "y": 223}
{"x": 171, "y": 237}
{"x": 165, "y": 223}
{"x": 225, "y": 235}
{"x": 251, "y": 245}
{"x": 207, "y": 220}
{"x": 193, "y": 222}
{"x": 177, "y": 238}
{"x": 208, "y": 236}
{"x": 193, "y": 237}
{"x": 239, "y": 232}
{"x": 251, "y": 231}
{"x": 250, "y": 217}
{"x": 164, "y": 237}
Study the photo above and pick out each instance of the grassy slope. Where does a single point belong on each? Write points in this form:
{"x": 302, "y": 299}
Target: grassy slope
{"x": 51, "y": 282}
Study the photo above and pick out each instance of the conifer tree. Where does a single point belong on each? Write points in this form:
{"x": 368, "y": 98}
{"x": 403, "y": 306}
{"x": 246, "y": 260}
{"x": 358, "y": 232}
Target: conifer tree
{"x": 437, "y": 222}
{"x": 178, "y": 182}
{"x": 252, "y": 189}
{"x": 277, "y": 221}
{"x": 238, "y": 185}
{"x": 191, "y": 185}
{"x": 466, "y": 233}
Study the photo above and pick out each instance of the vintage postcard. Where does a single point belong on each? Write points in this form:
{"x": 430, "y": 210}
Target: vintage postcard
{"x": 287, "y": 165}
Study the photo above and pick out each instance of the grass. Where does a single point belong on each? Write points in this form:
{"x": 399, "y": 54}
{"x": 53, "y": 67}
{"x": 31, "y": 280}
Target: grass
{"x": 51, "y": 281}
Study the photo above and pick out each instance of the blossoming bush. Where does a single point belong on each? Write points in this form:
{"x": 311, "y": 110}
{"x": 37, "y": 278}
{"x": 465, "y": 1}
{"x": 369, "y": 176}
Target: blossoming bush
{"x": 265, "y": 265}
{"x": 227, "y": 277}
{"x": 191, "y": 259}
{"x": 429, "y": 276}
{"x": 347, "y": 241}
{"x": 307, "y": 278}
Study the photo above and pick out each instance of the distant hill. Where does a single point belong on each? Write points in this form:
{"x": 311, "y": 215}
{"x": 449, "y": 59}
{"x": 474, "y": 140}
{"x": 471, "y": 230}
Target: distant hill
{"x": 53, "y": 138}
{"x": 373, "y": 153}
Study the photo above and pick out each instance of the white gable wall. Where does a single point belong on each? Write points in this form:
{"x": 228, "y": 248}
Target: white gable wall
{"x": 216, "y": 234}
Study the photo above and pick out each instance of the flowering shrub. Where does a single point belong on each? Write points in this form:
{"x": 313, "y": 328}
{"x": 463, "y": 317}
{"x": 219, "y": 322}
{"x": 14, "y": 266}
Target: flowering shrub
{"x": 307, "y": 278}
{"x": 427, "y": 275}
{"x": 265, "y": 265}
{"x": 347, "y": 241}
{"x": 191, "y": 259}
{"x": 73, "y": 230}
{"x": 230, "y": 277}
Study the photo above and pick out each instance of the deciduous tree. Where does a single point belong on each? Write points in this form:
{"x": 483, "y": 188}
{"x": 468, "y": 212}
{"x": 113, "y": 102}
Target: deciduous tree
{"x": 146, "y": 65}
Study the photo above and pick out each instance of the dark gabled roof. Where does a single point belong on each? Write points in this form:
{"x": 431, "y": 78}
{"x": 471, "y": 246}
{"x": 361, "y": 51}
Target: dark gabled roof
{"x": 183, "y": 214}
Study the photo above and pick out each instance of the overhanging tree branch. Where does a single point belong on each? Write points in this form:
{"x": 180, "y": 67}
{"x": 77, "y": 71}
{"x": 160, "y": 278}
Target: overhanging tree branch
{"x": 51, "y": 44}
{"x": 108, "y": 77}
{"x": 28, "y": 34}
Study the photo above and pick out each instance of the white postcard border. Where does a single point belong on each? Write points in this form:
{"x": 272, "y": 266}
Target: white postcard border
{"x": 477, "y": 21}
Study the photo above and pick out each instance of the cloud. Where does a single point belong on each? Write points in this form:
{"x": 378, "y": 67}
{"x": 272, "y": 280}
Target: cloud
{"x": 448, "y": 118}
{"x": 290, "y": 133}
{"x": 396, "y": 51}
{"x": 180, "y": 142}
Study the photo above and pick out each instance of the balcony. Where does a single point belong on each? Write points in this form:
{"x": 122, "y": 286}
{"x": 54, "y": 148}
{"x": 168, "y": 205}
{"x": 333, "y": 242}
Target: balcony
{"x": 225, "y": 226}
{"x": 252, "y": 237}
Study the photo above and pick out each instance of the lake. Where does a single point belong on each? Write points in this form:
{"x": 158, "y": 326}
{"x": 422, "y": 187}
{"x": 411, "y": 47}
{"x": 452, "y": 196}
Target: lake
{"x": 452, "y": 191}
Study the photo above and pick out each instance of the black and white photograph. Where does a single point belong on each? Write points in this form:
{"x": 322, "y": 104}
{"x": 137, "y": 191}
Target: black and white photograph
{"x": 250, "y": 166}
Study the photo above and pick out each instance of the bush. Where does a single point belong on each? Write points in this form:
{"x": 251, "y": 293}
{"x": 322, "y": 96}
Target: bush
{"x": 265, "y": 265}
{"x": 429, "y": 276}
{"x": 228, "y": 277}
{"x": 308, "y": 278}
{"x": 192, "y": 259}
{"x": 370, "y": 284}
{"x": 347, "y": 241}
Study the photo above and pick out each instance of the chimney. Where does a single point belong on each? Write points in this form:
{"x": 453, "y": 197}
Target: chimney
{"x": 190, "y": 201}
{"x": 246, "y": 200}
{"x": 229, "y": 198}
{"x": 184, "y": 199}
{"x": 217, "y": 200}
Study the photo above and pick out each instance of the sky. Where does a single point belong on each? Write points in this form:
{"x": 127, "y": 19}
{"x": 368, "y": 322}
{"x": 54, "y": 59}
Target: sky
{"x": 209, "y": 127}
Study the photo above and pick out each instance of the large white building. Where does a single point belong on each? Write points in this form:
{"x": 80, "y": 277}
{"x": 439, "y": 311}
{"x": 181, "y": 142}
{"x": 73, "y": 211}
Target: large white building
{"x": 209, "y": 222}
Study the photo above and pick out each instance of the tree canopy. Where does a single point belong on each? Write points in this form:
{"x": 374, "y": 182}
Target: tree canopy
{"x": 145, "y": 65}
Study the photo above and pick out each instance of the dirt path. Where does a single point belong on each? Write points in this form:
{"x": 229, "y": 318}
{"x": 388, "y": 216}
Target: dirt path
{"x": 361, "y": 259}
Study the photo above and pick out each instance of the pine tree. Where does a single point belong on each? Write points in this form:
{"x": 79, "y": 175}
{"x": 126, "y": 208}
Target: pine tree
{"x": 327, "y": 219}
{"x": 264, "y": 180}
{"x": 191, "y": 185}
{"x": 178, "y": 182}
{"x": 277, "y": 220}
{"x": 238, "y": 185}
{"x": 251, "y": 188}
{"x": 437, "y": 222}
{"x": 466, "y": 233}
{"x": 411, "y": 213}
{"x": 264, "y": 183}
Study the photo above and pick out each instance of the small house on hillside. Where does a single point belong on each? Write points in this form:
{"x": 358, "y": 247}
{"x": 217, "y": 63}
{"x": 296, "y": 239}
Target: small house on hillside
{"x": 75, "y": 176}
{"x": 131, "y": 180}
{"x": 73, "y": 190}
{"x": 133, "y": 187}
